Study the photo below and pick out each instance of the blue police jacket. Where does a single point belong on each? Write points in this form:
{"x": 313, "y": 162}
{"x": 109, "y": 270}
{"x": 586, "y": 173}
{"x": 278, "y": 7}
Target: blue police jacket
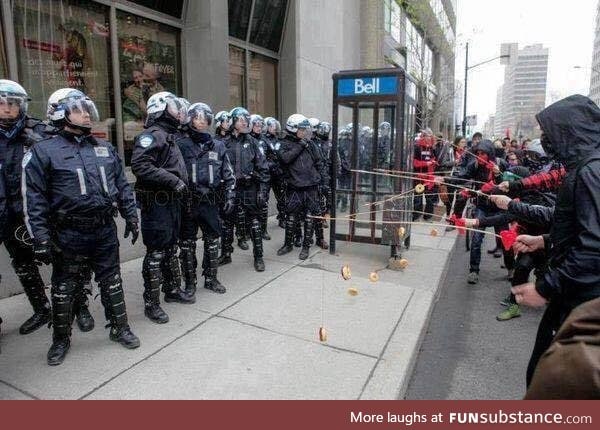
{"x": 76, "y": 176}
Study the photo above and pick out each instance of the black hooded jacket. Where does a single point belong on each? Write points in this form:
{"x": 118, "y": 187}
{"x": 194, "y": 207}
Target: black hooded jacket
{"x": 572, "y": 126}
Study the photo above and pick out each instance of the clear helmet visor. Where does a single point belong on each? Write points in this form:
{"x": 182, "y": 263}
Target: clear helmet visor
{"x": 176, "y": 109}
{"x": 82, "y": 112}
{"x": 200, "y": 119}
{"x": 11, "y": 108}
{"x": 242, "y": 124}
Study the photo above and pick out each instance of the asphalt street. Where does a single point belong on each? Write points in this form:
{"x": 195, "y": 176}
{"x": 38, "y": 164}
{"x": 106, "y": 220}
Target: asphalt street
{"x": 466, "y": 353}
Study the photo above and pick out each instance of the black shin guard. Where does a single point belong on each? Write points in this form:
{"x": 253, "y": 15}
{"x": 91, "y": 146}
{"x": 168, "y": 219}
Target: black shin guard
{"x": 153, "y": 277}
{"x": 189, "y": 264}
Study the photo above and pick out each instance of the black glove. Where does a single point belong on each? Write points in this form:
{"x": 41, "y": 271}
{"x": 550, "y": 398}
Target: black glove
{"x": 229, "y": 206}
{"x": 42, "y": 253}
{"x": 303, "y": 143}
{"x": 261, "y": 199}
{"x": 181, "y": 187}
{"x": 131, "y": 227}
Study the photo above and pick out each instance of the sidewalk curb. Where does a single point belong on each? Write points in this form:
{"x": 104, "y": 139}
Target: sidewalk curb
{"x": 415, "y": 352}
{"x": 391, "y": 376}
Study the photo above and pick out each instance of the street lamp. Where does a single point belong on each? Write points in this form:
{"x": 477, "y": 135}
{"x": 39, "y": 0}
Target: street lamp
{"x": 467, "y": 68}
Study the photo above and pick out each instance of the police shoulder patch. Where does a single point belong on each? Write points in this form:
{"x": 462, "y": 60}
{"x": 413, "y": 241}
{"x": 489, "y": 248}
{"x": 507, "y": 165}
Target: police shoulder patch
{"x": 146, "y": 140}
{"x": 26, "y": 159}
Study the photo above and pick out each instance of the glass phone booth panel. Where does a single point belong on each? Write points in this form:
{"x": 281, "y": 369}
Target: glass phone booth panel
{"x": 373, "y": 123}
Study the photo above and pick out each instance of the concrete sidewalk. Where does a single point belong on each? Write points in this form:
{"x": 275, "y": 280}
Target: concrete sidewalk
{"x": 257, "y": 341}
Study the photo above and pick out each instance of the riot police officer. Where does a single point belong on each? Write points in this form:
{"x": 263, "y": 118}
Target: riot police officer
{"x": 207, "y": 166}
{"x": 345, "y": 139}
{"x": 74, "y": 185}
{"x": 161, "y": 184}
{"x": 303, "y": 161}
{"x": 257, "y": 125}
{"x": 18, "y": 132}
{"x": 2, "y": 215}
{"x": 324, "y": 144}
{"x": 252, "y": 178}
{"x": 271, "y": 137}
{"x": 222, "y": 126}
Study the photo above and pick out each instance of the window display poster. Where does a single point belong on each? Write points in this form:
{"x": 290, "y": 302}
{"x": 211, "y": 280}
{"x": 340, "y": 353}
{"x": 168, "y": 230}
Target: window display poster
{"x": 62, "y": 43}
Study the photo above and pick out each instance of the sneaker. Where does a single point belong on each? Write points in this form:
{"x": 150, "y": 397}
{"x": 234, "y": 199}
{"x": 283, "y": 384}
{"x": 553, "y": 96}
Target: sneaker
{"x": 498, "y": 254}
{"x": 513, "y": 311}
{"x": 492, "y": 251}
{"x": 473, "y": 278}
{"x": 507, "y": 301}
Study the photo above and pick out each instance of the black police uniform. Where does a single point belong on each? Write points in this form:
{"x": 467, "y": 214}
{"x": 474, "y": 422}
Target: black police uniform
{"x": 210, "y": 174}
{"x": 12, "y": 150}
{"x": 324, "y": 145}
{"x": 2, "y": 212}
{"x": 345, "y": 173}
{"x": 73, "y": 188}
{"x": 303, "y": 162}
{"x": 252, "y": 178}
{"x": 159, "y": 168}
{"x": 277, "y": 173}
{"x": 263, "y": 147}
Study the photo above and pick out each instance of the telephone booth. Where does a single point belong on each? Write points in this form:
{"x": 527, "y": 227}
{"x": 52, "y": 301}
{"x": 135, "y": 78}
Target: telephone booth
{"x": 373, "y": 130}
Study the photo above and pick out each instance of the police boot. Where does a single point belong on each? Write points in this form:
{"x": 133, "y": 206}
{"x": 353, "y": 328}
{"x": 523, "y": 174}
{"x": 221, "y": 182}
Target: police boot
{"x": 85, "y": 321}
{"x": 62, "y": 307}
{"x": 264, "y": 218}
{"x": 172, "y": 280}
{"x": 153, "y": 281}
{"x": 210, "y": 264}
{"x": 113, "y": 300}
{"x": 309, "y": 227}
{"x": 240, "y": 229}
{"x": 256, "y": 234}
{"x": 298, "y": 234}
{"x": 321, "y": 243}
{"x": 226, "y": 243}
{"x": 32, "y": 283}
{"x": 189, "y": 263}
{"x": 288, "y": 245}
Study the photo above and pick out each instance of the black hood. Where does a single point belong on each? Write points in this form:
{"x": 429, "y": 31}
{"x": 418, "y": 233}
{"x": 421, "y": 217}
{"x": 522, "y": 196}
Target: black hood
{"x": 572, "y": 126}
{"x": 488, "y": 147}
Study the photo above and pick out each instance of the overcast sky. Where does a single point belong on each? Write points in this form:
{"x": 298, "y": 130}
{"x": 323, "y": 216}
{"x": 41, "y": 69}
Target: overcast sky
{"x": 566, "y": 27}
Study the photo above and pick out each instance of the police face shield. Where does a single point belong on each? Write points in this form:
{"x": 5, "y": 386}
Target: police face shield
{"x": 176, "y": 109}
{"x": 200, "y": 119}
{"x": 11, "y": 108}
{"x": 81, "y": 113}
{"x": 242, "y": 124}
{"x": 257, "y": 126}
{"x": 273, "y": 128}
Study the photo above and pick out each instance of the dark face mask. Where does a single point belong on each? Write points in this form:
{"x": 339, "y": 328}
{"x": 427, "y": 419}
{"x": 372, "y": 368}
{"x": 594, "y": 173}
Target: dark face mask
{"x": 547, "y": 145}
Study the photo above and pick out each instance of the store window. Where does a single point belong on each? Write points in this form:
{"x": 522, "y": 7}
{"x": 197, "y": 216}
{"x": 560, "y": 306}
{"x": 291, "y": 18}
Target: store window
{"x": 149, "y": 62}
{"x": 262, "y": 85}
{"x": 237, "y": 76}
{"x": 173, "y": 8}
{"x": 65, "y": 43}
{"x": 239, "y": 18}
{"x": 267, "y": 23}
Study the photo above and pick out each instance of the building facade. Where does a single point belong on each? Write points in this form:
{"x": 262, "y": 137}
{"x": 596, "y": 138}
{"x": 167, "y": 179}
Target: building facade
{"x": 595, "y": 76}
{"x": 275, "y": 57}
{"x": 523, "y": 93}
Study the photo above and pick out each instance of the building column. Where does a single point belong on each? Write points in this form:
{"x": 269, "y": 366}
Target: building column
{"x": 205, "y": 50}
